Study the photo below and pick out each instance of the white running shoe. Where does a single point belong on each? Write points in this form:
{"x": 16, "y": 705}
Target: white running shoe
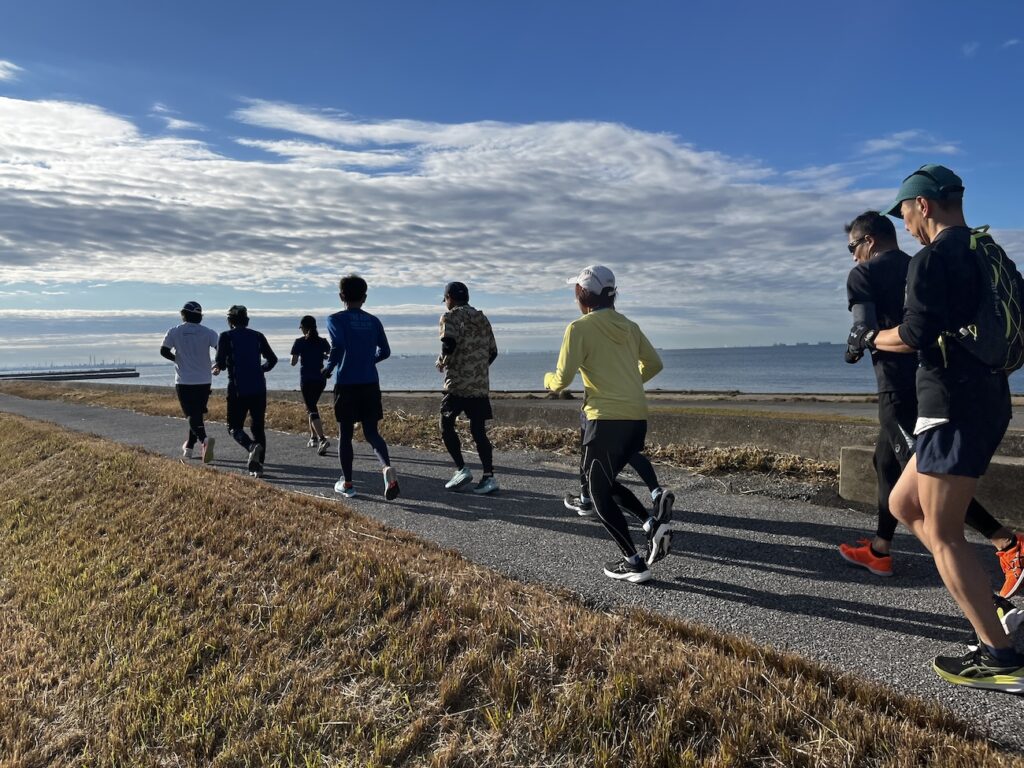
{"x": 391, "y": 489}
{"x": 186, "y": 452}
{"x": 459, "y": 479}
{"x": 311, "y": 443}
{"x": 206, "y": 450}
{"x": 486, "y": 485}
{"x": 348, "y": 490}
{"x": 322, "y": 446}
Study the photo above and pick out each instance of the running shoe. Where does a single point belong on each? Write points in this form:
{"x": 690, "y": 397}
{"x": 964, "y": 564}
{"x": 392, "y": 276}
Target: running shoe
{"x": 1012, "y": 563}
{"x": 623, "y": 570}
{"x": 459, "y": 479}
{"x": 206, "y": 451}
{"x": 186, "y": 451}
{"x": 1010, "y": 616}
{"x": 979, "y": 669}
{"x": 255, "y": 463}
{"x": 391, "y": 489}
{"x": 345, "y": 489}
{"x": 659, "y": 540}
{"x": 322, "y": 446}
{"x": 579, "y": 505}
{"x": 663, "y": 506}
{"x": 311, "y": 443}
{"x": 863, "y": 556}
{"x": 486, "y": 485}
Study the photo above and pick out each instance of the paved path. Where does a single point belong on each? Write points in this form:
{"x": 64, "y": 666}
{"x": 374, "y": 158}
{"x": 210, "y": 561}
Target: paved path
{"x": 759, "y": 567}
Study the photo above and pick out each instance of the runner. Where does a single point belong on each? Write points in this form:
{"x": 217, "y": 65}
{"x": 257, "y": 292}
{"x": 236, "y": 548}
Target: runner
{"x": 188, "y": 346}
{"x": 358, "y": 343}
{"x": 614, "y": 359}
{"x": 241, "y": 352}
{"x": 963, "y": 412}
{"x": 312, "y": 349}
{"x": 467, "y": 351}
{"x": 875, "y": 289}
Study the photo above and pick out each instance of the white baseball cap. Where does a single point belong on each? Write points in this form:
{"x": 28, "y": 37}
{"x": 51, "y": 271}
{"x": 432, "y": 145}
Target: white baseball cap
{"x": 594, "y": 279}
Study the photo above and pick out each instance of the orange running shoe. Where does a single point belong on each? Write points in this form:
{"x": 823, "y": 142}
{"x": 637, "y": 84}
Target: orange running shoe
{"x": 1012, "y": 563}
{"x": 865, "y": 558}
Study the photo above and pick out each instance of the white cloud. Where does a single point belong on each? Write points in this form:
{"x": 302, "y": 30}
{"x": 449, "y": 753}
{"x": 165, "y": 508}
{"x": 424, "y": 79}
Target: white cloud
{"x": 1011, "y": 43}
{"x": 915, "y": 140}
{"x": 969, "y": 49}
{"x": 9, "y": 71}
{"x": 161, "y": 111}
{"x": 86, "y": 197}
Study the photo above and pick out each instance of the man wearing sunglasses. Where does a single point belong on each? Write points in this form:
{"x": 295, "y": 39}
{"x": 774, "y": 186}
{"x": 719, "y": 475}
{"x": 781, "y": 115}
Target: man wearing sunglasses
{"x": 875, "y": 290}
{"x": 963, "y": 412}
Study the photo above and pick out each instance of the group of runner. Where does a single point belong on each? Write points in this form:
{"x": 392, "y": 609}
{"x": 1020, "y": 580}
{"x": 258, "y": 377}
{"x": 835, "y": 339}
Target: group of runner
{"x": 942, "y": 413}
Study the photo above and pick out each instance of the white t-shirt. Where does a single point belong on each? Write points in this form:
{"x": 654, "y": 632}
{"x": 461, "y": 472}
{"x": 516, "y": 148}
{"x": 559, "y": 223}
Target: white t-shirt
{"x": 191, "y": 343}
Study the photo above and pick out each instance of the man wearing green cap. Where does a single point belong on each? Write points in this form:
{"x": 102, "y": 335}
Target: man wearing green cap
{"x": 963, "y": 412}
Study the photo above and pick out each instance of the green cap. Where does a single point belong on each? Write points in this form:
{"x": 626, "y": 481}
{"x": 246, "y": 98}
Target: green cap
{"x": 936, "y": 182}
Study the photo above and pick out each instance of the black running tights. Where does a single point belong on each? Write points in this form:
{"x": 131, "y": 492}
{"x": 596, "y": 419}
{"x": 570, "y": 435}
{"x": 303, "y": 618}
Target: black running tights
{"x": 254, "y": 406}
{"x": 373, "y": 437}
{"x": 607, "y": 448}
{"x": 478, "y": 429}
{"x": 193, "y": 399}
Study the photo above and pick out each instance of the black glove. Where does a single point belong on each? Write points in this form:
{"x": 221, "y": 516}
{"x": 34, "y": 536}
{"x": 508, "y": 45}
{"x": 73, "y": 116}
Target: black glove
{"x": 853, "y": 355}
{"x": 861, "y": 337}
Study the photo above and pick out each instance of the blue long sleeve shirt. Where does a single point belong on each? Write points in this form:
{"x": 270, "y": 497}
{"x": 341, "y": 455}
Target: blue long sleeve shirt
{"x": 358, "y": 343}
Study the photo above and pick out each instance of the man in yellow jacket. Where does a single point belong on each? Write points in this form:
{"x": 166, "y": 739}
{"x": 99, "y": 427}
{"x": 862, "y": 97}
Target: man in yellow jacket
{"x": 614, "y": 359}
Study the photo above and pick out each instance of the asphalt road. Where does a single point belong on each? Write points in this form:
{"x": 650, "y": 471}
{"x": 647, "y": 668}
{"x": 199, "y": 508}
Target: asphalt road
{"x": 745, "y": 564}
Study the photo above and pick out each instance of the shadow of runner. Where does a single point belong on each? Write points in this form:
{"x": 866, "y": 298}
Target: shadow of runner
{"x": 933, "y": 626}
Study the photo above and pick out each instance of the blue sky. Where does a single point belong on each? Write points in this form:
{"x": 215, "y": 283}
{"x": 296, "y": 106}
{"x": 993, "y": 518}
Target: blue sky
{"x": 251, "y": 153}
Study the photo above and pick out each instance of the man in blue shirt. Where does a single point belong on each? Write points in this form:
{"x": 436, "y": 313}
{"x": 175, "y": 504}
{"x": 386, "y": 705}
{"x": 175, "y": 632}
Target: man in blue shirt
{"x": 241, "y": 352}
{"x": 358, "y": 343}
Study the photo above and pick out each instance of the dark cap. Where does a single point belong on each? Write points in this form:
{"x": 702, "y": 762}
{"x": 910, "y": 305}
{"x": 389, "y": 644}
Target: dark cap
{"x": 456, "y": 291}
{"x": 192, "y": 306}
{"x": 935, "y": 182}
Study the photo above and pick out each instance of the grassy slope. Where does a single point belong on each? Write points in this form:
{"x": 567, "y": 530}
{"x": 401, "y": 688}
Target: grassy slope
{"x": 414, "y": 431}
{"x": 159, "y": 614}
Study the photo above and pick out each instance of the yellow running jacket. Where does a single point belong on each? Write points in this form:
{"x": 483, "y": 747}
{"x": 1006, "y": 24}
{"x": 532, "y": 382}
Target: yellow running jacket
{"x": 614, "y": 359}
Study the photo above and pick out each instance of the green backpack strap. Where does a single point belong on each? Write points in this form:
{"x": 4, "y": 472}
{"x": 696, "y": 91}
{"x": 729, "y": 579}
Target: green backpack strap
{"x": 977, "y": 232}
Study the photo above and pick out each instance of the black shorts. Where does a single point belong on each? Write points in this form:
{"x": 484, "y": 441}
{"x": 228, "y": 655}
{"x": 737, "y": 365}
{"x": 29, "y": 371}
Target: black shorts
{"x": 475, "y": 408}
{"x": 358, "y": 402}
{"x": 311, "y": 391}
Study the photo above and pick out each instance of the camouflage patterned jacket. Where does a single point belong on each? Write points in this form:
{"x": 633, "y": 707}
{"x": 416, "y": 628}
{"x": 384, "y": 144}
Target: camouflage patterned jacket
{"x": 466, "y": 367}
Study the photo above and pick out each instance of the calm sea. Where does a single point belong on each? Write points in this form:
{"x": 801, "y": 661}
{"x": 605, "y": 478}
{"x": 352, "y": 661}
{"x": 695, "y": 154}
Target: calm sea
{"x": 801, "y": 368}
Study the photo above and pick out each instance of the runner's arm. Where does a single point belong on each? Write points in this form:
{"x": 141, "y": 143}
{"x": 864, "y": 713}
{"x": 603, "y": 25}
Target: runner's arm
{"x": 267, "y": 353}
{"x": 650, "y": 360}
{"x": 337, "y": 353}
{"x": 166, "y": 352}
{"x": 383, "y": 348}
{"x": 569, "y": 358}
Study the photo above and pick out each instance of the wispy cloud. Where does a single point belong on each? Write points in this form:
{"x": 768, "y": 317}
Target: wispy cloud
{"x": 163, "y": 112}
{"x": 914, "y": 141}
{"x": 969, "y": 49}
{"x": 9, "y": 71}
{"x": 1012, "y": 42}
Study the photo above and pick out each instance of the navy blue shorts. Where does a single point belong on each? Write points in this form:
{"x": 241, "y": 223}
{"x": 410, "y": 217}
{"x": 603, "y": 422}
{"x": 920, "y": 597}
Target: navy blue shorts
{"x": 963, "y": 449}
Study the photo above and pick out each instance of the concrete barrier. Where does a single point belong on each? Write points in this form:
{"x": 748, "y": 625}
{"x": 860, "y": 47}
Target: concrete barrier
{"x": 999, "y": 490}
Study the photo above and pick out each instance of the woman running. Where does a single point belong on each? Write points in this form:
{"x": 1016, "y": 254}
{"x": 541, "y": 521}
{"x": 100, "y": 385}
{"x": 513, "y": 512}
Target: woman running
{"x": 312, "y": 349}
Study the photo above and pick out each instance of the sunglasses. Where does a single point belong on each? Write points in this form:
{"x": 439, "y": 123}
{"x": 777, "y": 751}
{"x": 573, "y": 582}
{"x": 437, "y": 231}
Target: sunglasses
{"x": 852, "y": 247}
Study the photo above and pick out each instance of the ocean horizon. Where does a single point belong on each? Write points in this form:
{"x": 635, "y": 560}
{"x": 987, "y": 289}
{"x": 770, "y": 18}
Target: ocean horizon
{"x": 792, "y": 369}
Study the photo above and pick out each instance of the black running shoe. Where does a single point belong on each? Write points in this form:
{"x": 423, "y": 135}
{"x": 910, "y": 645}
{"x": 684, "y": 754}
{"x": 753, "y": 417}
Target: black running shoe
{"x": 255, "y": 463}
{"x": 623, "y": 570}
{"x": 663, "y": 506}
{"x": 578, "y": 505}
{"x": 979, "y": 669}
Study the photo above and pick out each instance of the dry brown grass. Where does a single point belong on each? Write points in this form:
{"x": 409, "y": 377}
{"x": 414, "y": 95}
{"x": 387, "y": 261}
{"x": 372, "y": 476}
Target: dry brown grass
{"x": 156, "y": 614}
{"x": 414, "y": 431}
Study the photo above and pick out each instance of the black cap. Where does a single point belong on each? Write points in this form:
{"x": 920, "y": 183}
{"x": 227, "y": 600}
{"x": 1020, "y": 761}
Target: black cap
{"x": 456, "y": 291}
{"x": 192, "y": 306}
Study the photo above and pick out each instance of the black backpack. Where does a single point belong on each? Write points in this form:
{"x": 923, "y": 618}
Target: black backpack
{"x": 996, "y": 334}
